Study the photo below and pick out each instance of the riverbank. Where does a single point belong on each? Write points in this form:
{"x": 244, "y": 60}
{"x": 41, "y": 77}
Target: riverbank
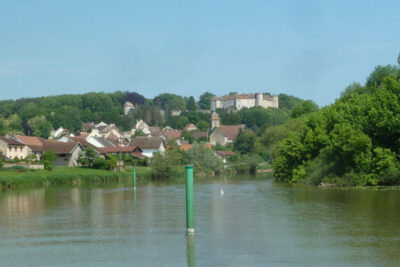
{"x": 11, "y": 178}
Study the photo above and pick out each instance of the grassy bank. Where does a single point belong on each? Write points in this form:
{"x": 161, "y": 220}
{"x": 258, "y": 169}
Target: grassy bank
{"x": 66, "y": 175}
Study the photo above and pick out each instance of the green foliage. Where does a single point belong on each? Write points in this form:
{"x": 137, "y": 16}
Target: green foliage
{"x": 354, "y": 87}
{"x": 202, "y": 125}
{"x": 247, "y": 164}
{"x": 287, "y": 102}
{"x": 181, "y": 122}
{"x": 49, "y": 156}
{"x": 40, "y": 126}
{"x": 138, "y": 132}
{"x": 356, "y": 139}
{"x": 103, "y": 164}
{"x": 165, "y": 166}
{"x": 245, "y": 142}
{"x": 204, "y": 159}
{"x": 48, "y": 165}
{"x": 191, "y": 104}
{"x": 303, "y": 108}
{"x": 170, "y": 102}
{"x": 1, "y": 163}
{"x": 88, "y": 157}
{"x": 205, "y": 100}
{"x": 187, "y": 136}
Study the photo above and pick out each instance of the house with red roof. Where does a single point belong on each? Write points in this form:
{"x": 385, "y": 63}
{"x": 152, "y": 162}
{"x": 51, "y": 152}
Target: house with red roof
{"x": 225, "y": 134}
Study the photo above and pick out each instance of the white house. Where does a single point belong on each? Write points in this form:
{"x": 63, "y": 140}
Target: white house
{"x": 148, "y": 145}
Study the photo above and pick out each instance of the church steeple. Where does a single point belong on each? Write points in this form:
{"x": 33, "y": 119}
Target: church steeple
{"x": 214, "y": 120}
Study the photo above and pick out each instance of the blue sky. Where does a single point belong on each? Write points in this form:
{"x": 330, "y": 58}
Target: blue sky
{"x": 309, "y": 49}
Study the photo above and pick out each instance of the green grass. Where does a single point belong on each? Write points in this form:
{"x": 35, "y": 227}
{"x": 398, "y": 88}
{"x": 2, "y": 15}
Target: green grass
{"x": 66, "y": 175}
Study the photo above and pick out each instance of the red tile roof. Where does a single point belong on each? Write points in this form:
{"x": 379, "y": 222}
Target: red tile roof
{"x": 33, "y": 142}
{"x": 231, "y": 131}
{"x": 11, "y": 141}
{"x": 174, "y": 134}
{"x": 37, "y": 144}
{"x": 119, "y": 149}
{"x": 190, "y": 127}
{"x": 186, "y": 147}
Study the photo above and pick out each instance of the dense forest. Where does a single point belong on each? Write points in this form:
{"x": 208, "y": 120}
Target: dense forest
{"x": 37, "y": 116}
{"x": 354, "y": 141}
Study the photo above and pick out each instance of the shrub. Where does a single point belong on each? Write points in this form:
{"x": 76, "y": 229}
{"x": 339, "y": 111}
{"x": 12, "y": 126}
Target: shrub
{"x": 48, "y": 165}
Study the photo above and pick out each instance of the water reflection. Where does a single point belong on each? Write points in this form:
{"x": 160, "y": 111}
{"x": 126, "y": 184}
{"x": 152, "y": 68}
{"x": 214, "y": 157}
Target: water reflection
{"x": 191, "y": 261}
{"x": 255, "y": 223}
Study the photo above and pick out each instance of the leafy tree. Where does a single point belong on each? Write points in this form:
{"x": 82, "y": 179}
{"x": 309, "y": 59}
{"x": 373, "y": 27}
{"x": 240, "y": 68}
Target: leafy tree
{"x": 354, "y": 87}
{"x": 245, "y": 142}
{"x": 134, "y": 98}
{"x": 182, "y": 122}
{"x": 191, "y": 104}
{"x": 40, "y": 126}
{"x": 375, "y": 79}
{"x": 398, "y": 59}
{"x": 204, "y": 159}
{"x": 88, "y": 157}
{"x": 170, "y": 101}
{"x": 303, "y": 108}
{"x": 202, "y": 125}
{"x": 164, "y": 166}
{"x": 188, "y": 137}
{"x": 205, "y": 100}
{"x": 49, "y": 155}
{"x": 48, "y": 159}
{"x": 355, "y": 140}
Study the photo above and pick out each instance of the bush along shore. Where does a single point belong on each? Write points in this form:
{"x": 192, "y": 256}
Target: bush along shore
{"x": 20, "y": 177}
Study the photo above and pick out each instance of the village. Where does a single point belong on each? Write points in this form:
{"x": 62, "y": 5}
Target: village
{"x": 141, "y": 142}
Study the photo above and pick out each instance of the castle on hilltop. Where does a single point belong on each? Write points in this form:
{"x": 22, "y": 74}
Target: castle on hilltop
{"x": 244, "y": 101}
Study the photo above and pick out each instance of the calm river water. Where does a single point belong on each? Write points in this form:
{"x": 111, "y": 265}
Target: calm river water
{"x": 255, "y": 223}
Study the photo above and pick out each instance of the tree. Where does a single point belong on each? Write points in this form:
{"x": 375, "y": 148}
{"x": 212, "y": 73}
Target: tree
{"x": 88, "y": 157}
{"x": 305, "y": 107}
{"x": 182, "y": 122}
{"x": 354, "y": 87}
{"x": 40, "y": 127}
{"x": 48, "y": 159}
{"x": 49, "y": 155}
{"x": 205, "y": 100}
{"x": 204, "y": 159}
{"x": 398, "y": 59}
{"x": 202, "y": 125}
{"x": 134, "y": 98}
{"x": 191, "y": 104}
{"x": 187, "y": 136}
{"x": 170, "y": 102}
{"x": 245, "y": 142}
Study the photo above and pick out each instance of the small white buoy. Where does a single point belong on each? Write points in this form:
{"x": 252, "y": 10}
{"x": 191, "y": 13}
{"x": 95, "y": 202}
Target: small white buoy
{"x": 221, "y": 191}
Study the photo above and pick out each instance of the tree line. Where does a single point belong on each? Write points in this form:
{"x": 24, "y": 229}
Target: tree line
{"x": 354, "y": 141}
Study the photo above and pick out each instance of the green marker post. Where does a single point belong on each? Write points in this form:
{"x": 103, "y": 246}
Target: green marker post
{"x": 189, "y": 201}
{"x": 134, "y": 178}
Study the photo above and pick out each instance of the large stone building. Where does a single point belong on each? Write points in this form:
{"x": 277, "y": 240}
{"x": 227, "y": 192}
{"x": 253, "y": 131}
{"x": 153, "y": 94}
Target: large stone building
{"x": 244, "y": 101}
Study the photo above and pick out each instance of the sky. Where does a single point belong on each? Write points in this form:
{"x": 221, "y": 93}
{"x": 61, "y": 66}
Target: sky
{"x": 309, "y": 49}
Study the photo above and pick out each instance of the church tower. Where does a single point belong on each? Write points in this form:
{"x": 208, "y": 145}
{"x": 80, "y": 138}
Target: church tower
{"x": 214, "y": 120}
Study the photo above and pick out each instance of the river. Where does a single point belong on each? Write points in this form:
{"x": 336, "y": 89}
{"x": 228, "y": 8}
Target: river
{"x": 255, "y": 223}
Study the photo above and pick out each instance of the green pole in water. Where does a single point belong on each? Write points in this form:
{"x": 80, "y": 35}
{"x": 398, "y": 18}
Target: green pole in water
{"x": 134, "y": 178}
{"x": 189, "y": 200}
